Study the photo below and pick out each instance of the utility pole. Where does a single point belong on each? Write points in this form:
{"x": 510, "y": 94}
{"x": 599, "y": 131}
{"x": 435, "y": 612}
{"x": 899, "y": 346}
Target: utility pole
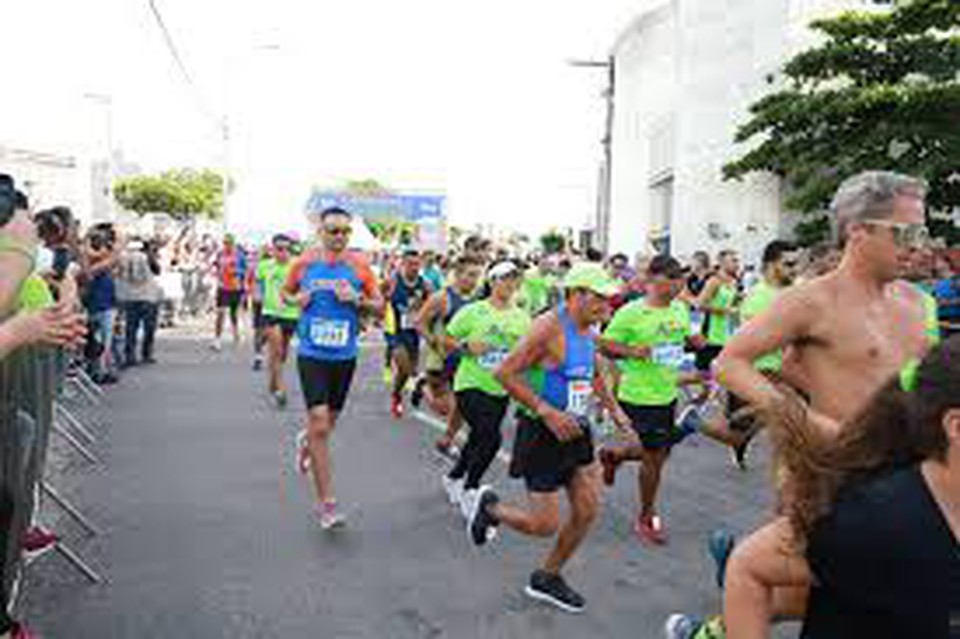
{"x": 605, "y": 190}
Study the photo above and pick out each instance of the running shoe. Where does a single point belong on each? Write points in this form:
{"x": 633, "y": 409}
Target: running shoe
{"x": 37, "y": 541}
{"x": 447, "y": 450}
{"x": 215, "y": 346}
{"x": 481, "y": 522}
{"x": 552, "y": 589}
{"x": 257, "y": 363}
{"x": 280, "y": 398}
{"x": 20, "y": 631}
{"x": 416, "y": 397}
{"x": 690, "y": 421}
{"x": 739, "y": 455}
{"x": 329, "y": 518}
{"x": 303, "y": 453}
{"x": 720, "y": 545}
{"x": 651, "y": 530}
{"x": 396, "y": 406}
{"x": 610, "y": 463}
{"x": 454, "y": 489}
{"x": 680, "y": 626}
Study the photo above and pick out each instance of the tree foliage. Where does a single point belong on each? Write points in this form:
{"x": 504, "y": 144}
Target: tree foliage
{"x": 180, "y": 193}
{"x": 881, "y": 91}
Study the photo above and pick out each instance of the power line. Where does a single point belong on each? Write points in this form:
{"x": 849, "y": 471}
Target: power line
{"x": 178, "y": 60}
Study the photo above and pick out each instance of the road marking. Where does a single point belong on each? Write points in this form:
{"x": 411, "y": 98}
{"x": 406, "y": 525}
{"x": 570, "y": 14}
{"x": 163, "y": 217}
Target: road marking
{"x": 441, "y": 426}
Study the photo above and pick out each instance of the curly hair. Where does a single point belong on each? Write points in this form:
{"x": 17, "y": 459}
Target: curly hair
{"x": 898, "y": 428}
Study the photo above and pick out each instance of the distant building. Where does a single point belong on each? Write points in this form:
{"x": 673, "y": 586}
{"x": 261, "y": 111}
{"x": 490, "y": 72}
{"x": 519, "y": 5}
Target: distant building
{"x": 685, "y": 74}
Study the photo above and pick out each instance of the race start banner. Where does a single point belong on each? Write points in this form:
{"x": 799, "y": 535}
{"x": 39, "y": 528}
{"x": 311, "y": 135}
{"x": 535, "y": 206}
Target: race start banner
{"x": 396, "y": 220}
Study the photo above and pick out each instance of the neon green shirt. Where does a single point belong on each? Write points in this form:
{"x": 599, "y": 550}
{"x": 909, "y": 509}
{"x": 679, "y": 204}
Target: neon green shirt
{"x": 721, "y": 326}
{"x": 35, "y": 294}
{"x": 651, "y": 382}
{"x": 535, "y": 292}
{"x": 273, "y": 274}
{"x": 500, "y": 328}
{"x": 758, "y": 300}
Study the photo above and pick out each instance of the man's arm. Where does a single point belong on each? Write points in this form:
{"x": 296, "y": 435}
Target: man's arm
{"x": 531, "y": 351}
{"x": 786, "y": 321}
{"x": 430, "y": 311}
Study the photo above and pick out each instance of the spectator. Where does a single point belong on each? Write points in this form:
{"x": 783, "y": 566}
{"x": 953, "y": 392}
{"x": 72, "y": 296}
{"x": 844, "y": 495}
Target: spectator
{"x": 100, "y": 299}
{"x": 139, "y": 296}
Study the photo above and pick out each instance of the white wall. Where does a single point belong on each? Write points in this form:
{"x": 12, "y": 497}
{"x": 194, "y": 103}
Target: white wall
{"x": 645, "y": 90}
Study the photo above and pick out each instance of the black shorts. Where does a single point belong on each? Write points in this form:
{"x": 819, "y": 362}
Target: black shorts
{"x": 287, "y": 326}
{"x": 705, "y": 357}
{"x": 654, "y": 425}
{"x": 478, "y": 407}
{"x": 544, "y": 462}
{"x": 229, "y": 299}
{"x": 259, "y": 321}
{"x": 325, "y": 382}
{"x": 734, "y": 404}
{"x": 407, "y": 339}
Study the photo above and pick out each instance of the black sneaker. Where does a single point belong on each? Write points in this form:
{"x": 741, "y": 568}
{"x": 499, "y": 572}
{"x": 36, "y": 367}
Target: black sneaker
{"x": 480, "y": 522}
{"x": 553, "y": 590}
{"x": 416, "y": 397}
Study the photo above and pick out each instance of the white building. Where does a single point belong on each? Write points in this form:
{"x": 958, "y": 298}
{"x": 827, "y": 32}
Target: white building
{"x": 685, "y": 74}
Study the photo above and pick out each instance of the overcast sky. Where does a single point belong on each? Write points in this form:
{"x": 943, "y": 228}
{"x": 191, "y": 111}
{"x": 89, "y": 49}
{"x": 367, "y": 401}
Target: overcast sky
{"x": 470, "y": 98}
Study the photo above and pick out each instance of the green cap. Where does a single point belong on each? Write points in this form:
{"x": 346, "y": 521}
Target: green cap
{"x": 591, "y": 277}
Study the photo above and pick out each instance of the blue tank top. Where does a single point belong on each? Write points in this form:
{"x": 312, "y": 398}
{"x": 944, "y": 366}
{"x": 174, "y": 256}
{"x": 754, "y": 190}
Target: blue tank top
{"x": 407, "y": 297}
{"x": 455, "y": 301}
{"x": 569, "y": 387}
{"x": 328, "y": 328}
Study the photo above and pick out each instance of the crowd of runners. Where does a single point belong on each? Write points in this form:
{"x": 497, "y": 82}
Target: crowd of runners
{"x": 843, "y": 354}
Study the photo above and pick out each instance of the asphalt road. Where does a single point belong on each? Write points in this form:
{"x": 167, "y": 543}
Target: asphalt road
{"x": 208, "y": 533}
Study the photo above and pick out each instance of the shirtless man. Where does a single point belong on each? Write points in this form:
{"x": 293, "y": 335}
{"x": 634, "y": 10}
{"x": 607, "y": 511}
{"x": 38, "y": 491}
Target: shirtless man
{"x": 844, "y": 334}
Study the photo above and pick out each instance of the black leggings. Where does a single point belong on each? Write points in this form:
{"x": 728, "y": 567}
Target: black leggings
{"x": 484, "y": 413}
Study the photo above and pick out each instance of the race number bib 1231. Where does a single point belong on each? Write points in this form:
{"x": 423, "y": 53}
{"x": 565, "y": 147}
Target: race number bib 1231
{"x": 578, "y": 398}
{"x": 330, "y": 333}
{"x": 492, "y": 359}
{"x": 669, "y": 355}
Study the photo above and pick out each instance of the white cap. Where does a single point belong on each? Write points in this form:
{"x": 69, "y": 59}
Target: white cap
{"x": 502, "y": 269}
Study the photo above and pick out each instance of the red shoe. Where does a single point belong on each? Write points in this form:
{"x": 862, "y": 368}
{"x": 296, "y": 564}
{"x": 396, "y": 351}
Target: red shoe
{"x": 396, "y": 407}
{"x": 20, "y": 631}
{"x": 610, "y": 463}
{"x": 650, "y": 530}
{"x": 38, "y": 541}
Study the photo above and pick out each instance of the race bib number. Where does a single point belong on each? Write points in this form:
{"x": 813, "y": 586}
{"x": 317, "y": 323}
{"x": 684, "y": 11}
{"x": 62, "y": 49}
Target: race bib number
{"x": 669, "y": 355}
{"x": 329, "y": 333}
{"x": 733, "y": 325}
{"x": 491, "y": 360}
{"x": 696, "y": 322}
{"x": 578, "y": 397}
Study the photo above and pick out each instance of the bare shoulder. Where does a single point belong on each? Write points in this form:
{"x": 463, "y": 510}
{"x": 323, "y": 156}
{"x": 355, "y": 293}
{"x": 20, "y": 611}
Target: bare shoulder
{"x": 544, "y": 327}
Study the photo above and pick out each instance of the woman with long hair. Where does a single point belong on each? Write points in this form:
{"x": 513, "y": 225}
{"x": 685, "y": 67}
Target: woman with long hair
{"x": 871, "y": 518}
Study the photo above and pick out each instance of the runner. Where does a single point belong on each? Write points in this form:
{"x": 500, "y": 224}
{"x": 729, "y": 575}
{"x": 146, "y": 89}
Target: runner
{"x": 441, "y": 364}
{"x": 844, "y": 334}
{"x": 648, "y": 338}
{"x": 280, "y": 318}
{"x": 230, "y": 266}
{"x": 539, "y": 282}
{"x": 553, "y": 449}
{"x": 717, "y": 301}
{"x": 255, "y": 286}
{"x": 407, "y": 292}
{"x": 331, "y": 286}
{"x": 484, "y": 332}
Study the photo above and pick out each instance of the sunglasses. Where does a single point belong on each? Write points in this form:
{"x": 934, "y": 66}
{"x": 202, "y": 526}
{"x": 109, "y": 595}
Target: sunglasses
{"x": 342, "y": 231}
{"x": 904, "y": 234}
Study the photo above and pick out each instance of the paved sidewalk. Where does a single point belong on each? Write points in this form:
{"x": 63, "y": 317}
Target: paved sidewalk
{"x": 208, "y": 533}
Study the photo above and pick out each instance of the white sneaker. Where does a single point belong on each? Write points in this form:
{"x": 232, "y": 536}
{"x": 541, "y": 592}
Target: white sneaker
{"x": 468, "y": 502}
{"x": 303, "y": 455}
{"x": 329, "y": 518}
{"x": 454, "y": 488}
{"x": 215, "y": 346}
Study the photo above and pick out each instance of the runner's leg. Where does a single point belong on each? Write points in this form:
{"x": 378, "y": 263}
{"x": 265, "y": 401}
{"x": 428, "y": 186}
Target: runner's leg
{"x": 583, "y": 492}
